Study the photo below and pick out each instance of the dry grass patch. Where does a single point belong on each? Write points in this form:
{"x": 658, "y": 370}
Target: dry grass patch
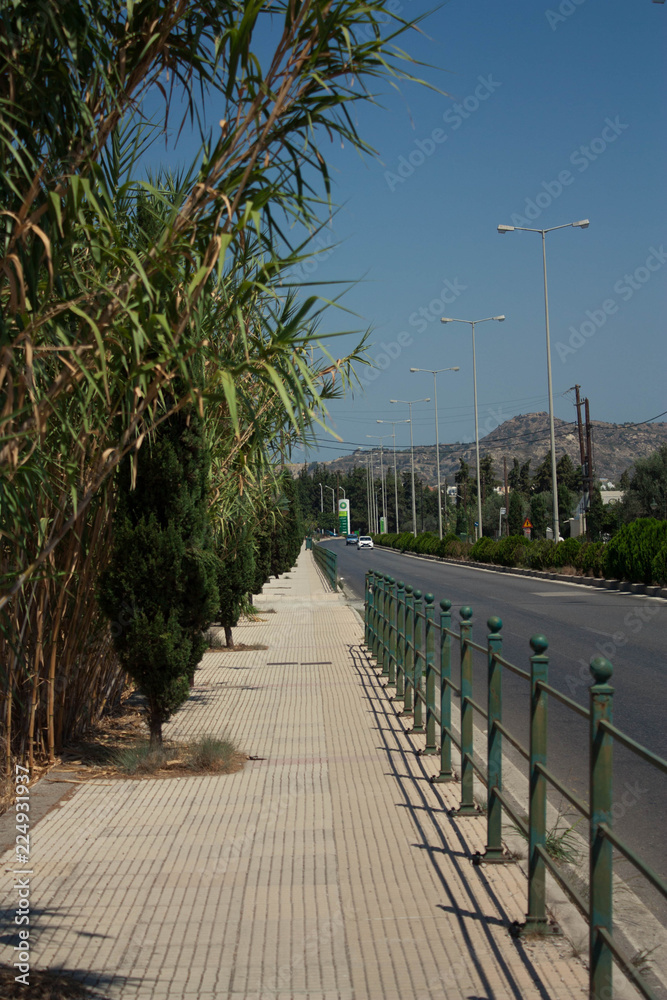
{"x": 119, "y": 748}
{"x": 207, "y": 755}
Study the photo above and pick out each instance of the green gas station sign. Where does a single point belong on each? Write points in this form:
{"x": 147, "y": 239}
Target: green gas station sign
{"x": 344, "y": 517}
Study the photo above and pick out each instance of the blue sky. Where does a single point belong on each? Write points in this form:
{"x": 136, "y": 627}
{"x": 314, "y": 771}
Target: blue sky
{"x": 555, "y": 114}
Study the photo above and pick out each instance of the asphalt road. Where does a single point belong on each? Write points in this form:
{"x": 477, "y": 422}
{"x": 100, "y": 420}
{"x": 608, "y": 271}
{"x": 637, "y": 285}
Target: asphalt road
{"x": 580, "y": 623}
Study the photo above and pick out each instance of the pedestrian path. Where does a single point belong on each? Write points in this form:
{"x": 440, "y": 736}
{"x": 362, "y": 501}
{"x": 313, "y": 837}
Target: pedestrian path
{"x": 327, "y": 869}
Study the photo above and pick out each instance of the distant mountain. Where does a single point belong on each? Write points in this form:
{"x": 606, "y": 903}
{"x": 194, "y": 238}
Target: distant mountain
{"x": 615, "y": 448}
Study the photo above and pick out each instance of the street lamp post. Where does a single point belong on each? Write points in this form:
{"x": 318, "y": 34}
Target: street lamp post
{"x": 373, "y": 525}
{"x": 582, "y": 224}
{"x": 381, "y": 438}
{"x": 437, "y": 442}
{"x": 321, "y": 498}
{"x": 473, "y": 323}
{"x": 333, "y": 497}
{"x": 410, "y": 403}
{"x": 393, "y": 434}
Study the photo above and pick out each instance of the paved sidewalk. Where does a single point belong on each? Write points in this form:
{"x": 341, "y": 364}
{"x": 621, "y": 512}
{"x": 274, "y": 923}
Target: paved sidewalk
{"x": 327, "y": 870}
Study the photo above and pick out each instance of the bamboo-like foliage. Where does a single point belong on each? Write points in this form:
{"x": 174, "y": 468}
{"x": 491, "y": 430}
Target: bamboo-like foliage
{"x": 111, "y": 285}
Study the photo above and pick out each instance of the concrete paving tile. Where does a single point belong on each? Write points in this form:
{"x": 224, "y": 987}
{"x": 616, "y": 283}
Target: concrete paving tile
{"x": 328, "y": 870}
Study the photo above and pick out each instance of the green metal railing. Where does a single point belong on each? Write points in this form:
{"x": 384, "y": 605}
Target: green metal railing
{"x": 402, "y": 634}
{"x": 328, "y": 563}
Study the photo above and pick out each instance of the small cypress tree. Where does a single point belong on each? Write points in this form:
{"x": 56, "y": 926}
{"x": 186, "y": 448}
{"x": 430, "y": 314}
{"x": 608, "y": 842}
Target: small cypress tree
{"x": 162, "y": 564}
{"x": 515, "y": 514}
{"x": 236, "y": 577}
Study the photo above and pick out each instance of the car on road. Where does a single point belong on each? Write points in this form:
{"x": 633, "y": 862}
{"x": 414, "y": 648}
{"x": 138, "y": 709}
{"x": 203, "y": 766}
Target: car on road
{"x": 351, "y": 539}
{"x": 364, "y": 542}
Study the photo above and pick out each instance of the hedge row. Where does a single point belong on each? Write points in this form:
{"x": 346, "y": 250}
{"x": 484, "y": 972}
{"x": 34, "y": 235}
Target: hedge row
{"x": 637, "y": 553}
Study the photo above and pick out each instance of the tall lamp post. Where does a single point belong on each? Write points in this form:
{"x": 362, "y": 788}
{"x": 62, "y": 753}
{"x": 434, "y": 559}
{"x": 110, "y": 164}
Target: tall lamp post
{"x": 410, "y": 403}
{"x": 381, "y": 438}
{"x": 393, "y": 434}
{"x": 333, "y": 497}
{"x": 437, "y": 442}
{"x": 582, "y": 224}
{"x": 473, "y": 323}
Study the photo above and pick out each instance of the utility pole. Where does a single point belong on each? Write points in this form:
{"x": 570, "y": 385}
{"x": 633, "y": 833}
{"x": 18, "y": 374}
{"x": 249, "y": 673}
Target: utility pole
{"x": 582, "y": 449}
{"x": 585, "y": 460}
{"x": 507, "y": 496}
{"x": 589, "y": 452}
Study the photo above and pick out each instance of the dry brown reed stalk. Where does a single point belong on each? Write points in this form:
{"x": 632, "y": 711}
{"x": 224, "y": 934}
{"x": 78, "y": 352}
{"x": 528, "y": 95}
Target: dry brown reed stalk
{"x": 64, "y": 674}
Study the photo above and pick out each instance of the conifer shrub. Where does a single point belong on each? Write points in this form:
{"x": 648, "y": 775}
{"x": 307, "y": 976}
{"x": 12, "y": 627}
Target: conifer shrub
{"x": 567, "y": 553}
{"x": 592, "y": 559}
{"x": 512, "y": 551}
{"x": 540, "y": 554}
{"x": 637, "y": 552}
{"x": 484, "y": 550}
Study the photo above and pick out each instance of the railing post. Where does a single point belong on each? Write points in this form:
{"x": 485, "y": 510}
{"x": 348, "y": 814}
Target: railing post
{"x": 601, "y": 750}
{"x": 377, "y": 615}
{"x": 467, "y": 807}
{"x": 494, "y": 809}
{"x": 409, "y": 652}
{"x": 418, "y": 665}
{"x": 391, "y": 666}
{"x": 429, "y": 647}
{"x": 381, "y": 623}
{"x": 536, "y": 918}
{"x": 400, "y": 639}
{"x": 386, "y": 631}
{"x": 446, "y": 773}
{"x": 368, "y": 604}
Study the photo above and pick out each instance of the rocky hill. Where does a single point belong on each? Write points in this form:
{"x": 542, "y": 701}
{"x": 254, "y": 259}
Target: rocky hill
{"x": 615, "y": 447}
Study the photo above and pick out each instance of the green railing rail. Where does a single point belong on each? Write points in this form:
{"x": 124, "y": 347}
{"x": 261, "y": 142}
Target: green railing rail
{"x": 402, "y": 635}
{"x": 328, "y": 563}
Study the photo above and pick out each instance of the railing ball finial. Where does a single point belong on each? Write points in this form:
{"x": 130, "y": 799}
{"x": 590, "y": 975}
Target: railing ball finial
{"x": 418, "y": 595}
{"x": 400, "y": 584}
{"x": 466, "y": 613}
{"x": 391, "y": 581}
{"x": 539, "y": 644}
{"x": 429, "y": 598}
{"x": 601, "y": 669}
{"x": 495, "y": 624}
{"x": 445, "y": 604}
{"x": 408, "y": 588}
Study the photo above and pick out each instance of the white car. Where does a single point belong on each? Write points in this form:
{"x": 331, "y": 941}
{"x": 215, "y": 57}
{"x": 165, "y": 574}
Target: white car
{"x": 364, "y": 542}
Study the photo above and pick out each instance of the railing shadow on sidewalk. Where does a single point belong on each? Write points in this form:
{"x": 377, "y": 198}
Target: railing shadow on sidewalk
{"x": 460, "y": 859}
{"x": 401, "y": 633}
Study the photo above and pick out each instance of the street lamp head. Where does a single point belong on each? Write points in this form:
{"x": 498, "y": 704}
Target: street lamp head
{"x": 501, "y": 319}
{"x": 457, "y": 369}
{"x": 505, "y": 229}
{"x": 415, "y": 369}
{"x": 583, "y": 224}
{"x": 445, "y": 319}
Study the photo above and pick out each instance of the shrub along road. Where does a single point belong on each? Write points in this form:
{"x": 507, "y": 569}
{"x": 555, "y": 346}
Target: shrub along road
{"x": 579, "y": 622}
